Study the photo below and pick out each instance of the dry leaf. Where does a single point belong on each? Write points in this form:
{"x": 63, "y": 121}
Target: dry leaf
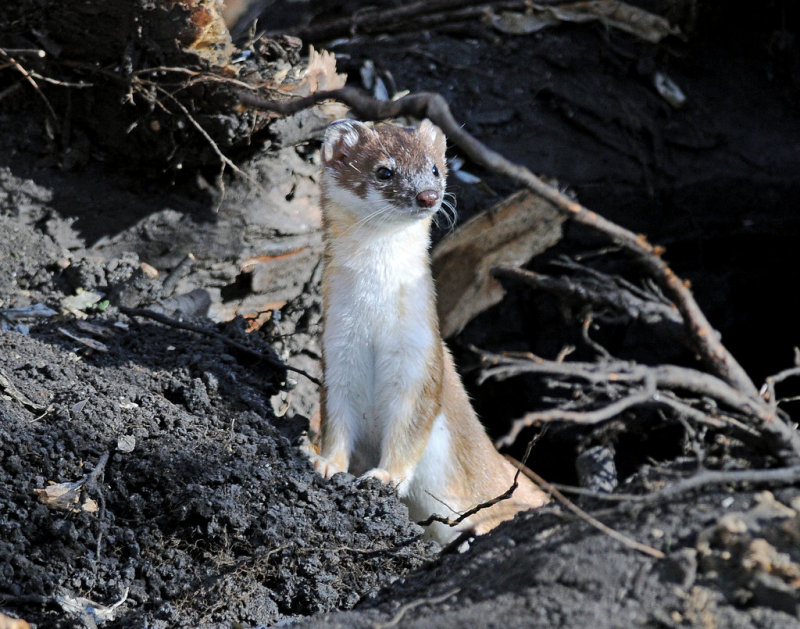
{"x": 126, "y": 443}
{"x": 620, "y": 15}
{"x": 60, "y": 495}
{"x": 508, "y": 234}
{"x": 321, "y": 72}
{"x": 80, "y": 302}
{"x": 84, "y": 606}
{"x": 90, "y": 506}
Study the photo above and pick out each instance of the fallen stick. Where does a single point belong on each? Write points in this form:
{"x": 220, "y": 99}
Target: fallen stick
{"x": 414, "y": 16}
{"x": 586, "y": 517}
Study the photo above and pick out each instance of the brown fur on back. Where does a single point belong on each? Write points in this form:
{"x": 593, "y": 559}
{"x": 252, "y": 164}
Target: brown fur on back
{"x": 481, "y": 472}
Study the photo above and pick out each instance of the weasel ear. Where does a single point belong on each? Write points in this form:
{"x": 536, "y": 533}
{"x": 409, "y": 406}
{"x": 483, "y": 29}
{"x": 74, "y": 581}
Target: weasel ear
{"x": 341, "y": 136}
{"x": 433, "y": 136}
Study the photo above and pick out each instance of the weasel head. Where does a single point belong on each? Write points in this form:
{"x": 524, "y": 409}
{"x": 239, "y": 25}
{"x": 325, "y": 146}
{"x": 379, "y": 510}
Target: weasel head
{"x": 384, "y": 174}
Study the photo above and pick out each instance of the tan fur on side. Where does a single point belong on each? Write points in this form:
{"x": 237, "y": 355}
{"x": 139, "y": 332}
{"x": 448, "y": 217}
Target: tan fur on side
{"x": 481, "y": 472}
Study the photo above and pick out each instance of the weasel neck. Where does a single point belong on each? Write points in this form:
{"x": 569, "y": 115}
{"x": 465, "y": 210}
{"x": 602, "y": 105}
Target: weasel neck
{"x": 379, "y": 277}
{"x": 391, "y": 252}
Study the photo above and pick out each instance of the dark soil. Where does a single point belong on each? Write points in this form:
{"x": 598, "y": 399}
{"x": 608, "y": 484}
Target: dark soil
{"x": 207, "y": 514}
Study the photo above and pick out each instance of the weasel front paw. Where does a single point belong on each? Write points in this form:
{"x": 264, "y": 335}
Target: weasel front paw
{"x": 382, "y": 475}
{"x": 325, "y": 467}
{"x": 398, "y": 484}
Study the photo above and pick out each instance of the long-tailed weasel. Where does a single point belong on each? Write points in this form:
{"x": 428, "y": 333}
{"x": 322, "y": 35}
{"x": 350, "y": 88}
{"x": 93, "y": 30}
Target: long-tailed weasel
{"x": 393, "y": 406}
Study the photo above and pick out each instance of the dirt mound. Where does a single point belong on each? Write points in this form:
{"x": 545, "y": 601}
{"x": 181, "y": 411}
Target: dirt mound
{"x": 204, "y": 512}
{"x": 544, "y": 571}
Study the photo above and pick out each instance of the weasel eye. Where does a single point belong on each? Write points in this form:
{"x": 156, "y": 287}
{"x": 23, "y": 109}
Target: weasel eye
{"x": 435, "y": 171}
{"x": 383, "y": 173}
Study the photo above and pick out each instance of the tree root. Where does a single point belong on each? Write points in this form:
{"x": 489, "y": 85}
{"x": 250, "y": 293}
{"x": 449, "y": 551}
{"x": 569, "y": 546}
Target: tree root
{"x": 727, "y": 380}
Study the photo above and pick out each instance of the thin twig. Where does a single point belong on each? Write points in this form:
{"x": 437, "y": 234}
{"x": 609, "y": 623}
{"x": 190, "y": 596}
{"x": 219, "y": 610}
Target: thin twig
{"x": 90, "y": 482}
{"x": 30, "y": 80}
{"x": 768, "y": 390}
{"x": 778, "y": 476}
{"x": 489, "y": 503}
{"x": 590, "y": 519}
{"x": 99, "y": 469}
{"x": 196, "y": 76}
{"x": 782, "y": 475}
{"x": 433, "y": 600}
{"x": 597, "y": 495}
{"x": 222, "y": 157}
{"x": 577, "y": 417}
{"x": 469, "y": 512}
{"x": 161, "y": 318}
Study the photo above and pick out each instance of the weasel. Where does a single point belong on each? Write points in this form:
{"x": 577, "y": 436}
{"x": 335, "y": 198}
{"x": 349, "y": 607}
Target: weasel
{"x": 393, "y": 406}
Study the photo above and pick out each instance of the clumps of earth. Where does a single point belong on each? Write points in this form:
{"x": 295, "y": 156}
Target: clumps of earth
{"x": 203, "y": 512}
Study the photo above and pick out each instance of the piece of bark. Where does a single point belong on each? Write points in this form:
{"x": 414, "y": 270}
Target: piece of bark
{"x": 508, "y": 234}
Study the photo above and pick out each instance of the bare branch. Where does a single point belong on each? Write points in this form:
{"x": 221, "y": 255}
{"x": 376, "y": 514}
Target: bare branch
{"x": 414, "y": 16}
{"x": 576, "y": 417}
{"x": 434, "y": 106}
{"x": 645, "y": 385}
{"x": 605, "y": 294}
{"x": 32, "y": 81}
{"x": 469, "y": 512}
{"x": 779, "y": 476}
{"x": 589, "y": 519}
{"x": 664, "y": 376}
{"x": 768, "y": 390}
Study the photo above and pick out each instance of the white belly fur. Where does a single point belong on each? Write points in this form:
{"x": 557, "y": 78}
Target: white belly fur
{"x": 431, "y": 476}
{"x": 376, "y": 341}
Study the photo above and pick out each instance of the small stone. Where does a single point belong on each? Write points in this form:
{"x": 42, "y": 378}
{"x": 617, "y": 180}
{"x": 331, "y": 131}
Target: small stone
{"x": 126, "y": 443}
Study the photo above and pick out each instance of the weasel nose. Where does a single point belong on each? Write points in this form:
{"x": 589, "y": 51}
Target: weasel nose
{"x": 427, "y": 198}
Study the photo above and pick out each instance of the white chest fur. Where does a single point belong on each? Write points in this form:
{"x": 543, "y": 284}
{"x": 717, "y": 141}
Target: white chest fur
{"x": 378, "y": 334}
